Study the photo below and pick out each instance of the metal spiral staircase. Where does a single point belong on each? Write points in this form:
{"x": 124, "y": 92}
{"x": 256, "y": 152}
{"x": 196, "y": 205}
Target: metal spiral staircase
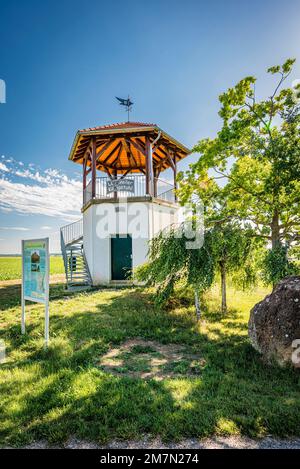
{"x": 76, "y": 266}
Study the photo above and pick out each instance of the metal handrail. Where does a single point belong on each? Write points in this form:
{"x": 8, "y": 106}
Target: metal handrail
{"x": 64, "y": 253}
{"x": 87, "y": 267}
{"x": 168, "y": 196}
{"x": 139, "y": 188}
{"x": 72, "y": 232}
{"x": 69, "y": 234}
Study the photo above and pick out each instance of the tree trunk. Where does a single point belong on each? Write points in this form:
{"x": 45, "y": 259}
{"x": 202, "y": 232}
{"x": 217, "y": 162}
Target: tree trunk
{"x": 275, "y": 229}
{"x": 223, "y": 286}
{"x": 197, "y": 305}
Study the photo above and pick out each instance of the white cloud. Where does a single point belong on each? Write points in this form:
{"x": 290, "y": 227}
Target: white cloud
{"x": 14, "y": 228}
{"x": 3, "y": 167}
{"x": 46, "y": 228}
{"x": 46, "y": 192}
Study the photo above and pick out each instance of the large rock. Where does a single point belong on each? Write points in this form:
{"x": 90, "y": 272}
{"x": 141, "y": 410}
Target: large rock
{"x": 274, "y": 324}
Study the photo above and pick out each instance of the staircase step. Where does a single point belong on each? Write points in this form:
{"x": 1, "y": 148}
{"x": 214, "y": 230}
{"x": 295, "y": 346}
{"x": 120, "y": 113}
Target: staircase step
{"x": 78, "y": 279}
{"x": 77, "y": 272}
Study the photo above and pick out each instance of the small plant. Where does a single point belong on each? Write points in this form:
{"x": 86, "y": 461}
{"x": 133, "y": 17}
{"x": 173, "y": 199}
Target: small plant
{"x": 142, "y": 349}
{"x": 183, "y": 367}
{"x": 277, "y": 265}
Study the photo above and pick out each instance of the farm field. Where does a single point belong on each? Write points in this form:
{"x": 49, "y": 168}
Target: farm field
{"x": 11, "y": 267}
{"x": 118, "y": 368}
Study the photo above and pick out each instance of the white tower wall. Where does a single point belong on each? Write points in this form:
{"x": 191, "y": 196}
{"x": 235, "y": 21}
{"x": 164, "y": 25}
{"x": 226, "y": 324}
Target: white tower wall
{"x": 141, "y": 220}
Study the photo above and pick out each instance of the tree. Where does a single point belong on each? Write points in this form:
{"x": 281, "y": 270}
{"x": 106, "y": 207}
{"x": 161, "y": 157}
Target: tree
{"x": 256, "y": 155}
{"x": 170, "y": 262}
{"x": 226, "y": 248}
{"x": 277, "y": 265}
{"x": 231, "y": 250}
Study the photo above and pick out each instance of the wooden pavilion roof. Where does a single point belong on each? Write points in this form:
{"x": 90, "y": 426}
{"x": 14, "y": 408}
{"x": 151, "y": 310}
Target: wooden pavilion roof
{"x": 121, "y": 147}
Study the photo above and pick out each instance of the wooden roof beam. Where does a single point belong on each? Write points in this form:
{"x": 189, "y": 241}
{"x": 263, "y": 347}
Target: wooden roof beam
{"x": 87, "y": 153}
{"x": 130, "y": 153}
{"x": 139, "y": 148}
{"x": 118, "y": 155}
{"x": 103, "y": 149}
{"x": 170, "y": 159}
{"x": 143, "y": 151}
{"x": 112, "y": 151}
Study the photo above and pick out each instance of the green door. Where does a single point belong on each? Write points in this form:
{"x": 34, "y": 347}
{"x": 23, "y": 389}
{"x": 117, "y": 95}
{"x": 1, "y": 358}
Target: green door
{"x": 121, "y": 257}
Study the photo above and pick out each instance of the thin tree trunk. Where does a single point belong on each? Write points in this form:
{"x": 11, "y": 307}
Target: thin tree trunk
{"x": 223, "y": 286}
{"x": 197, "y": 305}
{"x": 275, "y": 232}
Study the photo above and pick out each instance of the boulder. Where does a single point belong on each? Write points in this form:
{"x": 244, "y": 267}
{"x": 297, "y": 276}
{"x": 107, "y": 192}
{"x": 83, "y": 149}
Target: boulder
{"x": 274, "y": 325}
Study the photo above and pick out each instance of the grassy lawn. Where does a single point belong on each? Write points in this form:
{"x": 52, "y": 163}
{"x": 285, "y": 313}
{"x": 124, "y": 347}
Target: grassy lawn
{"x": 65, "y": 391}
{"x": 11, "y": 267}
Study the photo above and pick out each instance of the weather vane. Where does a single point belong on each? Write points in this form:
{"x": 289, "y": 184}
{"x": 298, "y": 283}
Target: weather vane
{"x": 127, "y": 103}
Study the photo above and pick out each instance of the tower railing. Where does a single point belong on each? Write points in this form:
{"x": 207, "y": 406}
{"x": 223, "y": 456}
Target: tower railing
{"x": 163, "y": 189}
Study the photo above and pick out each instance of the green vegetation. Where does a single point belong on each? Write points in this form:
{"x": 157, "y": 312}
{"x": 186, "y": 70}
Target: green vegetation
{"x": 227, "y": 248}
{"x": 256, "y": 154}
{"x": 11, "y": 267}
{"x": 64, "y": 391}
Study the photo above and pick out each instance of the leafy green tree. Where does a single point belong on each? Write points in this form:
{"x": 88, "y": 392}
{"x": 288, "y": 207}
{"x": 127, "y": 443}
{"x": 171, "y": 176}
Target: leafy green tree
{"x": 277, "y": 265}
{"x": 226, "y": 248}
{"x": 171, "y": 262}
{"x": 231, "y": 250}
{"x": 254, "y": 161}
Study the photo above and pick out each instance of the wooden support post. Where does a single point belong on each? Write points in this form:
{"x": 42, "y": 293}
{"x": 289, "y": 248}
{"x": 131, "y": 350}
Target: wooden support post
{"x": 175, "y": 175}
{"x": 86, "y": 170}
{"x": 149, "y": 168}
{"x": 94, "y": 156}
{"x": 84, "y": 173}
{"x": 155, "y": 183}
{"x": 115, "y": 177}
{"x": 84, "y": 180}
{"x": 147, "y": 145}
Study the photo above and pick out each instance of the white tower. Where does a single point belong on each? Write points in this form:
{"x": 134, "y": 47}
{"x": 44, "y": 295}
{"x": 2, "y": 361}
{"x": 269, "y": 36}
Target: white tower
{"x": 125, "y": 206}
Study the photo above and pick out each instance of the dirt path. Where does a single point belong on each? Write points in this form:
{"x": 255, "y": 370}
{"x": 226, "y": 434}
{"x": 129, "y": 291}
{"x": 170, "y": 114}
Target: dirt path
{"x": 57, "y": 278}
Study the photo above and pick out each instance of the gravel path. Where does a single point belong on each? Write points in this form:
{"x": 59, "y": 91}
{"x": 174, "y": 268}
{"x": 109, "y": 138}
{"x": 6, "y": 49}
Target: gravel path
{"x": 56, "y": 278}
{"x": 232, "y": 442}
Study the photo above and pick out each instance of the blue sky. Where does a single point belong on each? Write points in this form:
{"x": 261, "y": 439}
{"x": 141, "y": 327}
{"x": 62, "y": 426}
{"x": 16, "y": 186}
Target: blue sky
{"x": 64, "y": 61}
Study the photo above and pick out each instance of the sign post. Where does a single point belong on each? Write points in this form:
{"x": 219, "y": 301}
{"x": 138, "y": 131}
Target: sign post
{"x": 35, "y": 278}
{"x": 120, "y": 185}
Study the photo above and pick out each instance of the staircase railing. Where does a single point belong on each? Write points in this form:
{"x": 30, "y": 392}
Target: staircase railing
{"x": 64, "y": 254}
{"x": 72, "y": 232}
{"x": 69, "y": 234}
{"x": 87, "y": 268}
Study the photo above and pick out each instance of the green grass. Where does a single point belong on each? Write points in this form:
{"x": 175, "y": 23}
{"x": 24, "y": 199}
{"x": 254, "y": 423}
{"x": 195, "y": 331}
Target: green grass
{"x": 63, "y": 391}
{"x": 11, "y": 267}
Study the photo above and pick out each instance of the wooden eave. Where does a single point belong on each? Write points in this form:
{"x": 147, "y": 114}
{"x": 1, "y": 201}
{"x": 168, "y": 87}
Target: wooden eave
{"x": 122, "y": 149}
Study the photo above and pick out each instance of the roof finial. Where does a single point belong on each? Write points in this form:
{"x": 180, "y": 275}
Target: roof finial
{"x": 127, "y": 103}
